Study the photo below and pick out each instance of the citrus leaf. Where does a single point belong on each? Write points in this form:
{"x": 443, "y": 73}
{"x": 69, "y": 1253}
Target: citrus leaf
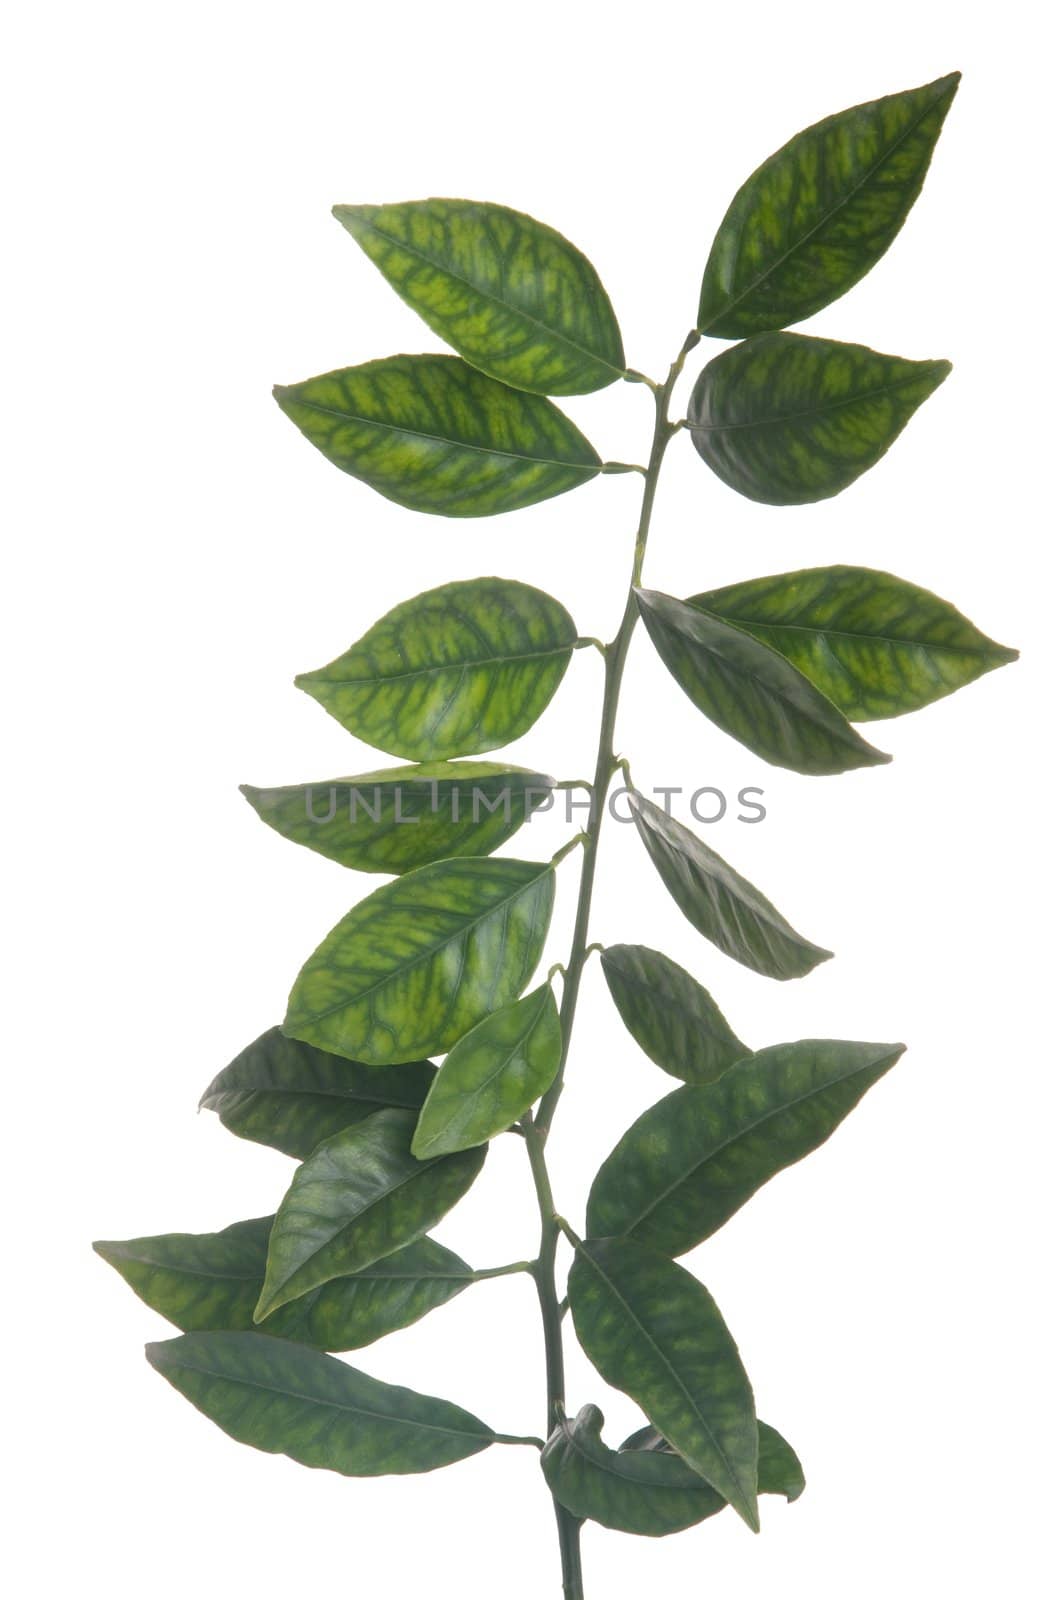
{"x": 458, "y": 670}
{"x": 692, "y": 1160}
{"x": 778, "y": 1469}
{"x": 751, "y": 691}
{"x": 419, "y": 962}
{"x": 674, "y": 1019}
{"x": 289, "y": 1095}
{"x": 640, "y": 1488}
{"x": 433, "y": 434}
{"x": 358, "y": 1198}
{"x": 655, "y": 1333}
{"x": 820, "y": 212}
{"x": 492, "y": 1076}
{"x": 786, "y": 419}
{"x": 295, "y": 1402}
{"x": 722, "y": 905}
{"x": 210, "y": 1282}
{"x": 405, "y": 817}
{"x": 874, "y": 644}
{"x": 508, "y": 293}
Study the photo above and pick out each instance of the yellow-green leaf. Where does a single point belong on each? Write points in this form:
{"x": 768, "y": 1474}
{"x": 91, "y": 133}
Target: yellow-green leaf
{"x": 511, "y": 295}
{"x": 433, "y": 434}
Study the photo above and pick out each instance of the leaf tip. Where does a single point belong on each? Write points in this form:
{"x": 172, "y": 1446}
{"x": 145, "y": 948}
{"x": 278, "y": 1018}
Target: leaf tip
{"x": 267, "y": 1303}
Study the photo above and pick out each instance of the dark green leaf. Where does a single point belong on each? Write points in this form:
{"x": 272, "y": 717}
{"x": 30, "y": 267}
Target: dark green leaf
{"x": 721, "y": 905}
{"x": 358, "y": 1198}
{"x": 876, "y": 645}
{"x": 421, "y": 960}
{"x": 786, "y": 420}
{"x": 694, "y": 1158}
{"x": 211, "y": 1282}
{"x": 405, "y": 817}
{"x": 492, "y": 1076}
{"x": 751, "y": 691}
{"x": 674, "y": 1019}
{"x": 434, "y": 434}
{"x": 461, "y": 669}
{"x": 296, "y": 1402}
{"x": 654, "y": 1332}
{"x": 289, "y": 1095}
{"x": 508, "y": 293}
{"x": 643, "y": 1488}
{"x": 778, "y": 1471}
{"x": 820, "y": 212}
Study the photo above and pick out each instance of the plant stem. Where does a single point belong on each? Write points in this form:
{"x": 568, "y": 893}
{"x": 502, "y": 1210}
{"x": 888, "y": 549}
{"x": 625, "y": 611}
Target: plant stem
{"x": 537, "y": 1130}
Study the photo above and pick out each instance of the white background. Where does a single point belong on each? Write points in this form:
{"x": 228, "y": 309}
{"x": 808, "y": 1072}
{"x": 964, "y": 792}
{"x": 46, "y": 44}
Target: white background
{"x": 179, "y": 552}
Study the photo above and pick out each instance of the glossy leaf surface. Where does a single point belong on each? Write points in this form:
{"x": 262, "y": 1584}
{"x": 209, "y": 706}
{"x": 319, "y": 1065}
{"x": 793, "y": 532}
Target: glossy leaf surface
{"x": 874, "y": 644}
{"x": 508, "y": 293}
{"x": 723, "y": 906}
{"x": 433, "y": 434}
{"x": 405, "y": 817}
{"x": 492, "y": 1076}
{"x": 751, "y": 691}
{"x": 820, "y": 212}
{"x": 289, "y": 1095}
{"x": 210, "y": 1282}
{"x": 694, "y": 1158}
{"x": 456, "y": 671}
{"x": 644, "y": 1489}
{"x": 422, "y": 960}
{"x": 787, "y": 420}
{"x": 675, "y": 1020}
{"x": 359, "y": 1197}
{"x": 295, "y": 1402}
{"x": 655, "y": 1333}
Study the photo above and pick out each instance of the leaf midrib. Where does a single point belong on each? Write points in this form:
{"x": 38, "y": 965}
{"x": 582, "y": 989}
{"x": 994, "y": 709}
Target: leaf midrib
{"x": 680, "y": 1382}
{"x": 438, "y": 438}
{"x": 431, "y": 670}
{"x": 330, "y": 1405}
{"x": 493, "y": 299}
{"x": 431, "y": 951}
{"x": 824, "y": 220}
{"x": 801, "y": 695}
{"x": 823, "y": 631}
{"x": 484, "y": 1083}
{"x": 750, "y": 1127}
{"x": 809, "y": 411}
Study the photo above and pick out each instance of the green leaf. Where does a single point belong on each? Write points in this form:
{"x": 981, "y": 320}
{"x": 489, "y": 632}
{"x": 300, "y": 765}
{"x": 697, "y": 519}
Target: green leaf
{"x": 691, "y": 1161}
{"x": 210, "y": 1282}
{"x": 654, "y": 1332}
{"x": 433, "y": 434}
{"x": 723, "y": 906}
{"x": 786, "y": 419}
{"x": 358, "y": 1198}
{"x": 675, "y": 1020}
{"x": 492, "y": 1076}
{"x": 643, "y": 1488}
{"x": 461, "y": 669}
{"x": 820, "y": 212}
{"x": 875, "y": 645}
{"x": 295, "y": 1402}
{"x": 421, "y": 960}
{"x": 751, "y": 691}
{"x": 290, "y": 1096}
{"x": 508, "y": 293}
{"x": 778, "y": 1470}
{"x": 405, "y": 817}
